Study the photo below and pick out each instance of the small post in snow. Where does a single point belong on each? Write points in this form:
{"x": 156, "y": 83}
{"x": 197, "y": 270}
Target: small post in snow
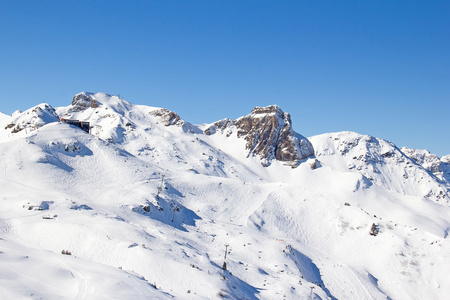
{"x": 224, "y": 267}
{"x": 160, "y": 188}
{"x": 226, "y": 250}
{"x": 162, "y": 181}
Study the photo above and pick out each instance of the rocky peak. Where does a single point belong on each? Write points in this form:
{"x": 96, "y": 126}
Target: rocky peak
{"x": 269, "y": 135}
{"x": 268, "y": 110}
{"x": 168, "y": 117}
{"x": 82, "y": 101}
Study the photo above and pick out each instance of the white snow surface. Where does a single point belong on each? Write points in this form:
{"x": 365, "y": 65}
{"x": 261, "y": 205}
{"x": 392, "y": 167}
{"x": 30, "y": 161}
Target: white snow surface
{"x": 142, "y": 205}
{"x": 3, "y": 116}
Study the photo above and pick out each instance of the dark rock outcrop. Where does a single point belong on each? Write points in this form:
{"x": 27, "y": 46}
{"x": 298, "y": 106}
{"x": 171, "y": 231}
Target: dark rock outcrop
{"x": 269, "y": 135}
{"x": 82, "y": 101}
{"x": 168, "y": 117}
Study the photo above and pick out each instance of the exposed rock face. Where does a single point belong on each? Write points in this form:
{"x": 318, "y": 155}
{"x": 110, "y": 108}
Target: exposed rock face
{"x": 269, "y": 134}
{"x": 222, "y": 125}
{"x": 82, "y": 101}
{"x": 168, "y": 117}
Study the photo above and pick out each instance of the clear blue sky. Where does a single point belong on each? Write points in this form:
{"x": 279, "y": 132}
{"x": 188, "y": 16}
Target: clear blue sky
{"x": 378, "y": 67}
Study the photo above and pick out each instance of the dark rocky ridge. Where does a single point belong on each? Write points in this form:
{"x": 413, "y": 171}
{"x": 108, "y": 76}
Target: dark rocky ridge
{"x": 269, "y": 134}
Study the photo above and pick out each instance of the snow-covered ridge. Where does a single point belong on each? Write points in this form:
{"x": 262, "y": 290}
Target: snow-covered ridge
{"x": 438, "y": 166}
{"x": 86, "y": 100}
{"x": 380, "y": 161}
{"x": 30, "y": 119}
{"x": 267, "y": 130}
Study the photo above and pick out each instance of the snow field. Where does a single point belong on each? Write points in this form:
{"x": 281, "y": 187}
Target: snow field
{"x": 161, "y": 202}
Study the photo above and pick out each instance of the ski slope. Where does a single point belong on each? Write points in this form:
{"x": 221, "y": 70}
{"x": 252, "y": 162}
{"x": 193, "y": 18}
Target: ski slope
{"x": 149, "y": 200}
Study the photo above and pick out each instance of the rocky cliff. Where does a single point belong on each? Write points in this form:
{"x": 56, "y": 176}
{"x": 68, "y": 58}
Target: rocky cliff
{"x": 82, "y": 101}
{"x": 269, "y": 135}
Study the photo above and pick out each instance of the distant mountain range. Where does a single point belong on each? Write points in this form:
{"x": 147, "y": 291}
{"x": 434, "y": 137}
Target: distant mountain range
{"x": 149, "y": 206}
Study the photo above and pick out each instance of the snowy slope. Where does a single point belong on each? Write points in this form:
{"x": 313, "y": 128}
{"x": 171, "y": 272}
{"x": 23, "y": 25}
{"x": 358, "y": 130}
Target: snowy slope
{"x": 38, "y": 274}
{"x": 158, "y": 197}
{"x": 3, "y": 116}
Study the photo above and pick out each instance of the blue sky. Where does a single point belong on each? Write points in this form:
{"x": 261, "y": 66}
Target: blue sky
{"x": 375, "y": 67}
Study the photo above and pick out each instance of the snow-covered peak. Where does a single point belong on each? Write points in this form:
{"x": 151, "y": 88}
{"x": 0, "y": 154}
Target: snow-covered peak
{"x": 30, "y": 119}
{"x": 446, "y": 158}
{"x": 85, "y": 100}
{"x": 425, "y": 158}
{"x": 380, "y": 161}
{"x": 260, "y": 112}
{"x": 349, "y": 143}
{"x": 267, "y": 130}
{"x": 440, "y": 167}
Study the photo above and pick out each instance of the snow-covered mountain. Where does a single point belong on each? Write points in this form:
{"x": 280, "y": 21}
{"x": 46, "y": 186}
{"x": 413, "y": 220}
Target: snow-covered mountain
{"x": 438, "y": 166}
{"x": 148, "y": 205}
